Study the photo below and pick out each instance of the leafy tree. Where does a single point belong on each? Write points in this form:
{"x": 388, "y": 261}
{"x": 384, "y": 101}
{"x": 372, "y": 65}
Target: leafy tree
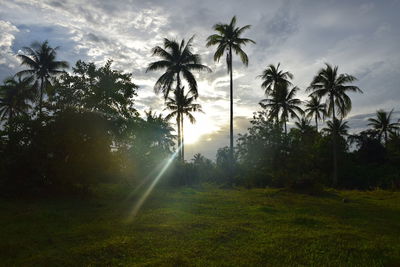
{"x": 176, "y": 59}
{"x": 182, "y": 105}
{"x": 40, "y": 59}
{"x": 283, "y": 105}
{"x": 15, "y": 95}
{"x": 98, "y": 89}
{"x": 228, "y": 39}
{"x": 274, "y": 78}
{"x": 316, "y": 109}
{"x": 334, "y": 86}
{"x": 382, "y": 124}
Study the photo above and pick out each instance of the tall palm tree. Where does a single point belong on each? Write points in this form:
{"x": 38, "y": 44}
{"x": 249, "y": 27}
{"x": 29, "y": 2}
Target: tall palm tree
{"x": 176, "y": 59}
{"x": 273, "y": 77}
{"x": 316, "y": 109}
{"x": 15, "y": 95}
{"x": 282, "y": 105}
{"x": 334, "y": 86}
{"x": 182, "y": 105}
{"x": 228, "y": 39}
{"x": 40, "y": 59}
{"x": 382, "y": 124}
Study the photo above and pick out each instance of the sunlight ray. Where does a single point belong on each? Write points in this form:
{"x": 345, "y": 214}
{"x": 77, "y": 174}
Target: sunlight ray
{"x": 146, "y": 194}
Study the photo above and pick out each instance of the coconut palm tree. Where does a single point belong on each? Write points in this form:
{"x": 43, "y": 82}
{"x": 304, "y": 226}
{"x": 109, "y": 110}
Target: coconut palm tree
{"x": 316, "y": 109}
{"x": 182, "y": 105}
{"x": 303, "y": 124}
{"x": 15, "y": 95}
{"x": 382, "y": 124}
{"x": 228, "y": 39}
{"x": 336, "y": 126}
{"x": 273, "y": 77}
{"x": 282, "y": 105}
{"x": 42, "y": 66}
{"x": 176, "y": 59}
{"x": 334, "y": 86}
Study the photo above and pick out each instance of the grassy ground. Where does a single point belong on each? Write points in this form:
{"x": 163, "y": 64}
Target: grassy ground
{"x": 204, "y": 227}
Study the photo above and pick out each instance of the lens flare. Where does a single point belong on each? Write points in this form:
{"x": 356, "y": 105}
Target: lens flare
{"x": 147, "y": 192}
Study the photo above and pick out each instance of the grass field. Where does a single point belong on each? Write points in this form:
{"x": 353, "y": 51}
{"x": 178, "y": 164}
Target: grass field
{"x": 204, "y": 226}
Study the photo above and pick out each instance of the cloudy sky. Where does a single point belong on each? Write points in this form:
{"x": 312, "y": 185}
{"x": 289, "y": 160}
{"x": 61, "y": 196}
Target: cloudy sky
{"x": 361, "y": 37}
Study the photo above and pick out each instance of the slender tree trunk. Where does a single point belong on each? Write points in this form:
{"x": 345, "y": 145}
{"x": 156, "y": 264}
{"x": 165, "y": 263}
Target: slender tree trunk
{"x": 335, "y": 175}
{"x": 386, "y": 138}
{"x": 178, "y": 122}
{"x": 183, "y": 139}
{"x": 231, "y": 116}
{"x": 316, "y": 122}
{"x": 10, "y": 123}
{"x": 41, "y": 97}
{"x": 285, "y": 128}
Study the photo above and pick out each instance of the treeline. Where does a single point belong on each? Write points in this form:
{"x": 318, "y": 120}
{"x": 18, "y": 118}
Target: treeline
{"x": 66, "y": 131}
{"x": 63, "y": 132}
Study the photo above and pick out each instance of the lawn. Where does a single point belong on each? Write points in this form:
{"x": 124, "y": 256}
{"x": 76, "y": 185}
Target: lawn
{"x": 203, "y": 226}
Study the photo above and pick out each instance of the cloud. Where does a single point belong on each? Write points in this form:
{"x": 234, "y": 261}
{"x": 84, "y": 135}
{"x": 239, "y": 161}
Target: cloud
{"x": 8, "y": 60}
{"x": 360, "y": 37}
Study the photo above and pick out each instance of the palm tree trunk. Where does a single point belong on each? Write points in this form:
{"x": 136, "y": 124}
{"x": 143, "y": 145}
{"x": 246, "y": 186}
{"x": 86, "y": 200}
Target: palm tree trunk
{"x": 316, "y": 122}
{"x": 183, "y": 143}
{"x": 10, "y": 123}
{"x": 231, "y": 111}
{"x": 41, "y": 97}
{"x": 178, "y": 122}
{"x": 285, "y": 127}
{"x": 386, "y": 137}
{"x": 335, "y": 175}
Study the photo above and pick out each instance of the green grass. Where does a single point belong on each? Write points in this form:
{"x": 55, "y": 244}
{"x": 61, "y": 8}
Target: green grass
{"x": 205, "y": 226}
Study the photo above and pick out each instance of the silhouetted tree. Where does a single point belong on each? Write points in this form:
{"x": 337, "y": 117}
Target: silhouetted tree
{"x": 382, "y": 124}
{"x": 182, "y": 105}
{"x": 228, "y": 39}
{"x": 316, "y": 109}
{"x": 303, "y": 124}
{"x": 40, "y": 59}
{"x": 274, "y": 78}
{"x": 283, "y": 105}
{"x": 176, "y": 59}
{"x": 336, "y": 126}
{"x": 15, "y": 95}
{"x": 334, "y": 86}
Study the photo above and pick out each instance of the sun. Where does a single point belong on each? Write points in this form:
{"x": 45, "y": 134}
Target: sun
{"x": 193, "y": 132}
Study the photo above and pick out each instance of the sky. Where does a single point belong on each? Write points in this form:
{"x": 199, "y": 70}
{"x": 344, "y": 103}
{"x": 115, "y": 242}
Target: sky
{"x": 361, "y": 37}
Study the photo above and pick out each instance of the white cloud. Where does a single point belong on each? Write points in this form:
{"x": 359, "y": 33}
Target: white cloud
{"x": 361, "y": 37}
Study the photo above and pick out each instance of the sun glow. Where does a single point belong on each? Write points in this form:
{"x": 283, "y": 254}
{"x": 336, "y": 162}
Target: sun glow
{"x": 193, "y": 132}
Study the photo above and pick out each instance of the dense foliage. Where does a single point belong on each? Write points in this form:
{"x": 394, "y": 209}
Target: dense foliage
{"x": 66, "y": 131}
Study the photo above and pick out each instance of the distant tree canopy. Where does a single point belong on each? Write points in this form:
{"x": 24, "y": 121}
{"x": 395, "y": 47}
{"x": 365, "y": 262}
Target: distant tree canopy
{"x": 67, "y": 131}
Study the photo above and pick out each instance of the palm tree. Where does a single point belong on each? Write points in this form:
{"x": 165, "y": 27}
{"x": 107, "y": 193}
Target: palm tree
{"x": 328, "y": 82}
{"x": 182, "y": 105}
{"x": 15, "y": 95}
{"x": 42, "y": 65}
{"x": 283, "y": 105}
{"x": 316, "y": 109}
{"x": 303, "y": 124}
{"x": 228, "y": 39}
{"x": 336, "y": 126}
{"x": 176, "y": 59}
{"x": 273, "y": 77}
{"x": 382, "y": 124}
